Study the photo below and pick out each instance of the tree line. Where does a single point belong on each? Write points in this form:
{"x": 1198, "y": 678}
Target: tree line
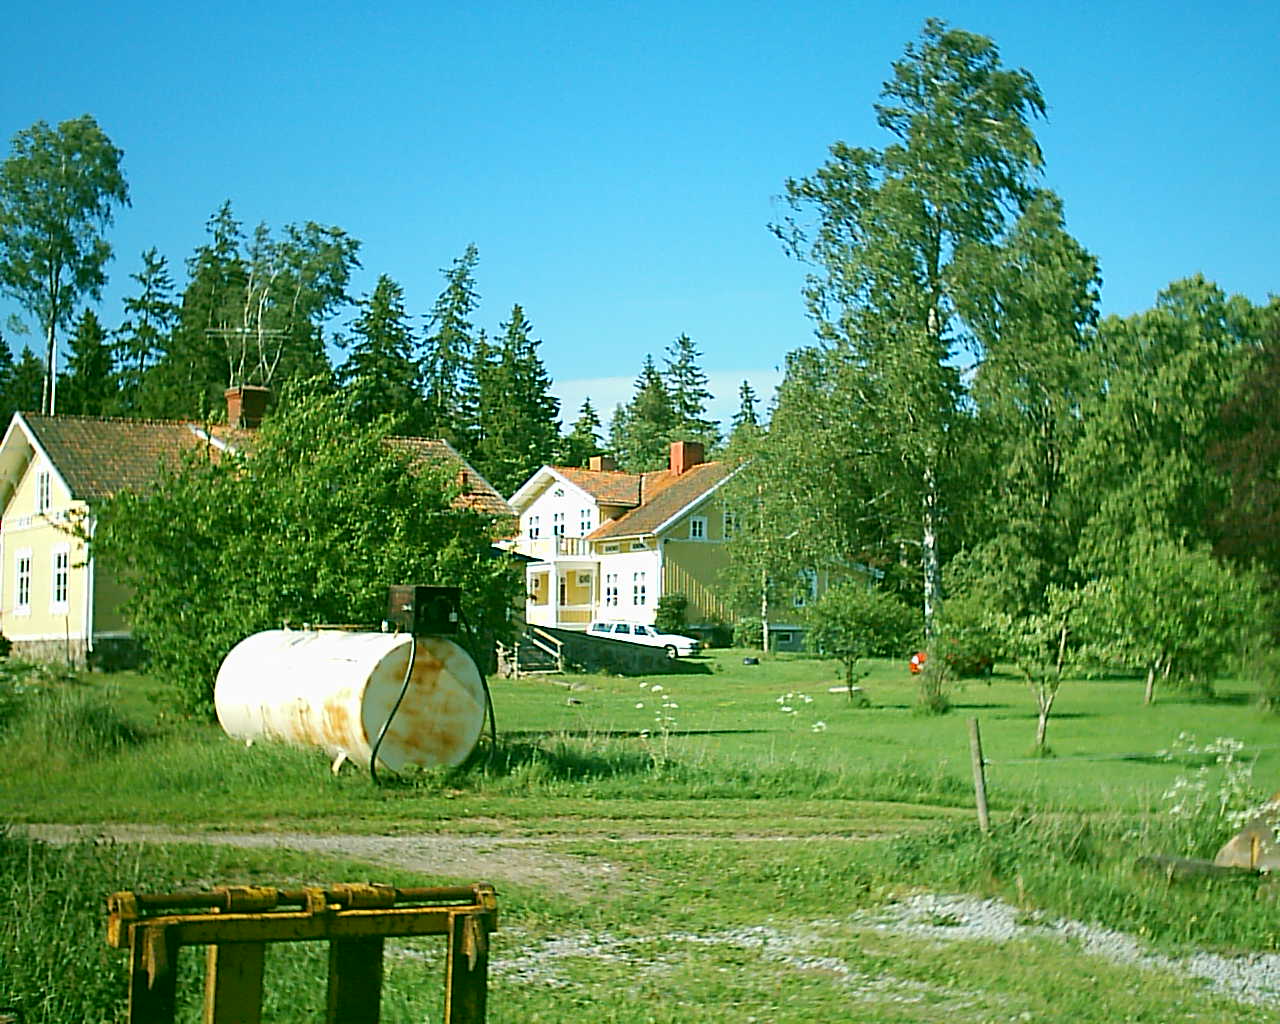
{"x": 260, "y": 307}
{"x": 969, "y": 433}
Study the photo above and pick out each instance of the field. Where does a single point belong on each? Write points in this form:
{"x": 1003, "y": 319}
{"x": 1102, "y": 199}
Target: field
{"x": 740, "y": 844}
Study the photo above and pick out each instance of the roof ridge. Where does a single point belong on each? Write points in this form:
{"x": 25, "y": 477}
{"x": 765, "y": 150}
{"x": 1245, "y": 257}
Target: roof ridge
{"x": 128, "y": 420}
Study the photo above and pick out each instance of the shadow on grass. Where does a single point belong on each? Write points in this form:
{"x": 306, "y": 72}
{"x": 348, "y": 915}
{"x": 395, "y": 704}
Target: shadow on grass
{"x": 619, "y": 734}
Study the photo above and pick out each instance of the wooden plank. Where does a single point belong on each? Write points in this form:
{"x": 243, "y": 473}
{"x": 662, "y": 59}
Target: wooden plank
{"x": 204, "y": 929}
{"x": 355, "y": 981}
{"x": 233, "y": 983}
{"x": 153, "y": 975}
{"x": 466, "y": 970}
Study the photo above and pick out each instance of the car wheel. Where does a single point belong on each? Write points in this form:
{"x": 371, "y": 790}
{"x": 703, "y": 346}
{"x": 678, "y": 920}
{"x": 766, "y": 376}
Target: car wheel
{"x": 672, "y": 653}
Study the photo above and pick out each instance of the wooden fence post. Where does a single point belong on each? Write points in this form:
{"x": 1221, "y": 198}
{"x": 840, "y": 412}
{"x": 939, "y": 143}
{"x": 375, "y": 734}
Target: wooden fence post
{"x": 979, "y": 775}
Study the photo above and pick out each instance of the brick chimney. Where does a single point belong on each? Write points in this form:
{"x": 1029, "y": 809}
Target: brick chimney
{"x": 685, "y": 455}
{"x": 246, "y": 405}
{"x": 602, "y": 463}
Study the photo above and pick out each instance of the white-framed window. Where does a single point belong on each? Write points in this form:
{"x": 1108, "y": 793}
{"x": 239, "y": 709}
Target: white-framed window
{"x": 563, "y": 592}
{"x": 730, "y": 524}
{"x": 535, "y": 527}
{"x": 638, "y": 595}
{"x": 61, "y": 578}
{"x": 22, "y": 582}
{"x": 697, "y": 527}
{"x": 610, "y": 549}
{"x": 557, "y": 524}
{"x": 638, "y": 545}
{"x": 785, "y": 637}
{"x": 611, "y": 590}
{"x": 808, "y": 588}
{"x": 42, "y": 492}
{"x": 584, "y": 522}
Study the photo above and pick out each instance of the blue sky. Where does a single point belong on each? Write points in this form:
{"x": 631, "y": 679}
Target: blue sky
{"x": 617, "y": 164}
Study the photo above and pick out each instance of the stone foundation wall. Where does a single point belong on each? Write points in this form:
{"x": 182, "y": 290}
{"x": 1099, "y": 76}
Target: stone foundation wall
{"x": 108, "y": 655}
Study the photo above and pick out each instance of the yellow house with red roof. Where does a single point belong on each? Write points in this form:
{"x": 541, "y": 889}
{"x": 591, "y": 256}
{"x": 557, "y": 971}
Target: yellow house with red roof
{"x": 604, "y": 544}
{"x": 56, "y": 602}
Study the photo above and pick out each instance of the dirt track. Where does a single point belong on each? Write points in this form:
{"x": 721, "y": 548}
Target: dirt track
{"x": 532, "y": 862}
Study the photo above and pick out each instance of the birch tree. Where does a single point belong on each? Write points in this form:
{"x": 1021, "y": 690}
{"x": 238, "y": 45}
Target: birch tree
{"x": 890, "y": 234}
{"x": 59, "y": 190}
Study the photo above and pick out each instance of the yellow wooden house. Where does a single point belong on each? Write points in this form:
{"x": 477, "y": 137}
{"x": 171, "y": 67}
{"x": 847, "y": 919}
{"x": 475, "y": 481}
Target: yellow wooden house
{"x": 603, "y": 544}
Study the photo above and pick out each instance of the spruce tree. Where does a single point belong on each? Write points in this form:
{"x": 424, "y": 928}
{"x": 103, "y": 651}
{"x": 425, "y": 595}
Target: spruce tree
{"x": 88, "y": 388}
{"x": 7, "y": 371}
{"x": 641, "y": 433}
{"x": 445, "y": 362}
{"x": 583, "y": 439}
{"x": 25, "y": 385}
{"x": 517, "y": 414}
{"x": 191, "y": 378}
{"x": 142, "y": 340}
{"x": 745, "y": 430}
{"x": 379, "y": 376}
{"x": 687, "y": 388}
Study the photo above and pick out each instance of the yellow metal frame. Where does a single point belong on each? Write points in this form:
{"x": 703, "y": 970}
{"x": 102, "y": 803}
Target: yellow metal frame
{"x": 237, "y": 922}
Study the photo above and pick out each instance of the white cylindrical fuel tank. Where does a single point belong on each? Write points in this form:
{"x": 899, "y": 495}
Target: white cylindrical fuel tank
{"x": 335, "y": 690}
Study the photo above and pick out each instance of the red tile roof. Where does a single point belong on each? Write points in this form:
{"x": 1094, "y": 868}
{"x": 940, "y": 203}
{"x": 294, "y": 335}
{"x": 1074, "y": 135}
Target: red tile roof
{"x": 100, "y": 457}
{"x": 608, "y": 487}
{"x": 662, "y": 495}
{"x": 477, "y": 493}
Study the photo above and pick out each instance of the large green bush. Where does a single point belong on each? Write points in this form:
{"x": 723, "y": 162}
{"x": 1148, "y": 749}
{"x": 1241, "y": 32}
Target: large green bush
{"x": 310, "y": 524}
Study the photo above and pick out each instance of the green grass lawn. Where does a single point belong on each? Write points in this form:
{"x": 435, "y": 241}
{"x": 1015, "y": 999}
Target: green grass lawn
{"x": 754, "y": 853}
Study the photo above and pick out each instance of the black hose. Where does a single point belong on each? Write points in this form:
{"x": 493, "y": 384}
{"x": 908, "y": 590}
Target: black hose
{"x": 488, "y": 697}
{"x": 404, "y": 688}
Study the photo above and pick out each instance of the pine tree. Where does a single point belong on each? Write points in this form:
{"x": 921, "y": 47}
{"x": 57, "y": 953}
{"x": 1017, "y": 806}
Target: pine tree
{"x": 143, "y": 339}
{"x": 641, "y": 433}
{"x": 379, "y": 375}
{"x": 445, "y": 364}
{"x": 687, "y": 387}
{"x": 517, "y": 414}
{"x": 88, "y": 388}
{"x": 583, "y": 439}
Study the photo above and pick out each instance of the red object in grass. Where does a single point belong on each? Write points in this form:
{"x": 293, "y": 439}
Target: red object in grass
{"x": 917, "y": 662}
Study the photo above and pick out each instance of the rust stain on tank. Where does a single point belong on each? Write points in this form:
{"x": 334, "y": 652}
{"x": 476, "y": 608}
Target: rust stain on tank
{"x": 336, "y": 726}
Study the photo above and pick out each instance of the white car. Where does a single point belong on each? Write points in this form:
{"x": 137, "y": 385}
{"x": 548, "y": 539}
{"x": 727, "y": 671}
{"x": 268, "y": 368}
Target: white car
{"x": 637, "y": 633}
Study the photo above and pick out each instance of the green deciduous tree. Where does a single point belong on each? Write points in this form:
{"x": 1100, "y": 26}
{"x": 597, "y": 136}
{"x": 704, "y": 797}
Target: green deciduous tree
{"x": 1141, "y": 464}
{"x": 1043, "y": 646}
{"x": 1245, "y": 522}
{"x": 895, "y": 233}
{"x": 88, "y": 387}
{"x": 58, "y": 192}
{"x": 311, "y": 525}
{"x": 1174, "y": 613}
{"x": 852, "y": 621}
